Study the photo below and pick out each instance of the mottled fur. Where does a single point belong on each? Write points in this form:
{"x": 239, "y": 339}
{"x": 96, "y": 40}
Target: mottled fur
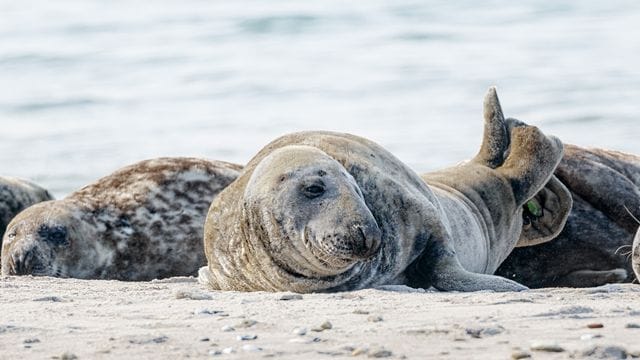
{"x": 142, "y": 222}
{"x": 15, "y": 196}
{"x": 375, "y": 221}
{"x": 594, "y": 246}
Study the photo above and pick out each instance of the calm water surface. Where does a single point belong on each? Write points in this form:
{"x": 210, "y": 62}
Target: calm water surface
{"x": 88, "y": 86}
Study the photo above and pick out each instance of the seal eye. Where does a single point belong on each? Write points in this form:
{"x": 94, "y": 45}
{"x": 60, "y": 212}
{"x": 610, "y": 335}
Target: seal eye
{"x": 313, "y": 191}
{"x": 56, "y": 235}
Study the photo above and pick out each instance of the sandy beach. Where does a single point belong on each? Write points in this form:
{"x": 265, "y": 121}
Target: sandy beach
{"x": 47, "y": 318}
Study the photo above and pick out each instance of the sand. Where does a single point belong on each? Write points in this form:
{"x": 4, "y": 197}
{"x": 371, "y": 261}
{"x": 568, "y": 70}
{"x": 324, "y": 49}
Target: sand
{"x": 43, "y": 318}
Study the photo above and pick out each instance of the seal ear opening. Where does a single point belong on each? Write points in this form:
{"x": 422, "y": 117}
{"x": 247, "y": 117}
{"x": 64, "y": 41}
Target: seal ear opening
{"x": 545, "y": 214}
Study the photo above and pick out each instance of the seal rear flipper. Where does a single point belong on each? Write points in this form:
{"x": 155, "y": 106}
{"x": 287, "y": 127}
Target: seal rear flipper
{"x": 591, "y": 278}
{"x": 545, "y": 214}
{"x": 533, "y": 157}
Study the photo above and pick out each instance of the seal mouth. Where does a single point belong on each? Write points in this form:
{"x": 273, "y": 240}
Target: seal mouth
{"x": 323, "y": 259}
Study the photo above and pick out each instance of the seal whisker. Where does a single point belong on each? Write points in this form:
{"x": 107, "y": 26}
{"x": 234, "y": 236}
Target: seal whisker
{"x": 630, "y": 213}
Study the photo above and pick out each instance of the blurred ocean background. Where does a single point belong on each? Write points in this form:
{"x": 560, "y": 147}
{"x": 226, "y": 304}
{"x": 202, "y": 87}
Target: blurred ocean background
{"x": 88, "y": 86}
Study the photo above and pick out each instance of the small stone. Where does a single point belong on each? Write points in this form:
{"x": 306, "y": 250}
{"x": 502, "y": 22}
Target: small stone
{"x": 215, "y": 352}
{"x": 203, "y": 339}
{"x": 379, "y": 353}
{"x": 251, "y": 348}
{"x": 206, "y": 311}
{"x": 605, "y": 352}
{"x": 303, "y": 340}
{"x": 31, "y": 341}
{"x": 587, "y": 337}
{"x": 300, "y": 331}
{"x": 68, "y": 356}
{"x": 287, "y": 297}
{"x": 632, "y": 326}
{"x": 374, "y": 318}
{"x": 595, "y": 326}
{"x": 228, "y": 350}
{"x": 192, "y": 295}
{"x": 246, "y": 337}
{"x": 361, "y": 312}
{"x": 546, "y": 346}
{"x": 520, "y": 355}
{"x": 228, "y": 328}
{"x": 246, "y": 324}
{"x": 324, "y": 326}
{"x": 359, "y": 351}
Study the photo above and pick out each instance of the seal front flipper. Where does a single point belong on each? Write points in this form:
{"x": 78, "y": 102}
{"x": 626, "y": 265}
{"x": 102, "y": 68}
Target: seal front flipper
{"x": 439, "y": 267}
{"x": 449, "y": 275}
{"x": 206, "y": 279}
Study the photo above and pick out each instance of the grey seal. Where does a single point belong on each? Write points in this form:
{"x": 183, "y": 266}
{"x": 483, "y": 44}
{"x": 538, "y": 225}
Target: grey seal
{"x": 593, "y": 247}
{"x": 142, "y": 222}
{"x": 324, "y": 211}
{"x": 16, "y": 195}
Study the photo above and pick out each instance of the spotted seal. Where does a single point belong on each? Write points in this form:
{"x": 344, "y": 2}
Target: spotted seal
{"x": 16, "y": 195}
{"x": 142, "y": 222}
{"x": 593, "y": 247}
{"x": 325, "y": 211}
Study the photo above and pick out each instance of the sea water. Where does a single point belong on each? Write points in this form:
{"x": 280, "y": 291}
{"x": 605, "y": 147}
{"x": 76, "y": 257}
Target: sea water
{"x": 88, "y": 86}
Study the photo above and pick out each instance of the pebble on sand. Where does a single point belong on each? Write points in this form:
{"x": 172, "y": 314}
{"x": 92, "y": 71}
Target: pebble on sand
{"x": 246, "y": 337}
{"x": 516, "y": 355}
{"x": 251, "y": 348}
{"x": 228, "y": 328}
{"x": 324, "y": 326}
{"x": 374, "y": 318}
{"x": 379, "y": 353}
{"x": 192, "y": 295}
{"x": 300, "y": 331}
{"x": 605, "y": 352}
{"x": 287, "y": 297}
{"x": 244, "y": 324}
{"x": 547, "y": 346}
{"x": 595, "y": 326}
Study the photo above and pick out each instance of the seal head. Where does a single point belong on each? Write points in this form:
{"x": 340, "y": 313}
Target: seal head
{"x": 297, "y": 200}
{"x": 47, "y": 239}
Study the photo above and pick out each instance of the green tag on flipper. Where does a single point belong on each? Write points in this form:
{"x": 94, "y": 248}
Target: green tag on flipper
{"x": 534, "y": 208}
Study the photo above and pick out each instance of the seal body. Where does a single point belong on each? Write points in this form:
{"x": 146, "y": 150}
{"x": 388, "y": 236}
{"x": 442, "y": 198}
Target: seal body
{"x": 593, "y": 248}
{"x": 142, "y": 222}
{"x": 15, "y": 196}
{"x": 325, "y": 211}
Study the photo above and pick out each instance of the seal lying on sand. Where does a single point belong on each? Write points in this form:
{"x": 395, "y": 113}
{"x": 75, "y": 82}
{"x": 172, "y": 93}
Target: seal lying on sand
{"x": 593, "y": 247}
{"x": 142, "y": 222}
{"x": 324, "y": 211}
{"x": 15, "y": 196}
